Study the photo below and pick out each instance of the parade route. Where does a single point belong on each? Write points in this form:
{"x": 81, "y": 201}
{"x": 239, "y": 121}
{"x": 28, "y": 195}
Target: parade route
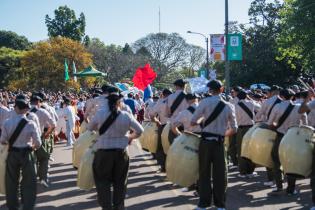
{"x": 149, "y": 190}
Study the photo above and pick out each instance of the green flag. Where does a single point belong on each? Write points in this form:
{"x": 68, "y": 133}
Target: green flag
{"x": 66, "y": 71}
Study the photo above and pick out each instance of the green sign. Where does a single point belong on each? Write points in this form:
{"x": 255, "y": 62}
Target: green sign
{"x": 202, "y": 72}
{"x": 235, "y": 47}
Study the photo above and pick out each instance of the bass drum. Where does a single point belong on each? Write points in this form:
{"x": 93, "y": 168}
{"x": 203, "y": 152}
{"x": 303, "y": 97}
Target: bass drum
{"x": 80, "y": 146}
{"x": 150, "y": 137}
{"x": 261, "y": 145}
{"x": 164, "y": 137}
{"x": 3, "y": 164}
{"x": 85, "y": 172}
{"x": 141, "y": 138}
{"x": 182, "y": 162}
{"x": 245, "y": 150}
{"x": 296, "y": 151}
{"x": 83, "y": 127}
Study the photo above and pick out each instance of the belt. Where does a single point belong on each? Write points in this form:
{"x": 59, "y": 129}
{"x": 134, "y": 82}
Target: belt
{"x": 206, "y": 135}
{"x": 23, "y": 149}
{"x": 245, "y": 126}
{"x": 113, "y": 150}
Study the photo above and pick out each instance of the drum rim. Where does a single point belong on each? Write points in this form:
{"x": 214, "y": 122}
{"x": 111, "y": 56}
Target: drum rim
{"x": 192, "y": 134}
{"x": 303, "y": 126}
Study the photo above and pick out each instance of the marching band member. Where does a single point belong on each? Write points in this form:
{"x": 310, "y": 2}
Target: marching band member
{"x": 184, "y": 117}
{"x": 245, "y": 112}
{"x": 263, "y": 115}
{"x": 4, "y": 113}
{"x": 159, "y": 116}
{"x": 176, "y": 103}
{"x": 47, "y": 125}
{"x": 111, "y": 161}
{"x": 309, "y": 106}
{"x": 282, "y": 117}
{"x": 70, "y": 119}
{"x": 23, "y": 137}
{"x": 214, "y": 115}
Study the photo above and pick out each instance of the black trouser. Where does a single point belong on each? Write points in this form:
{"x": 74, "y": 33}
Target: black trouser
{"x": 232, "y": 150}
{"x": 160, "y": 155}
{"x": 313, "y": 178}
{"x": 42, "y": 158}
{"x": 212, "y": 163}
{"x": 20, "y": 160}
{"x": 110, "y": 167}
{"x": 276, "y": 168}
{"x": 245, "y": 166}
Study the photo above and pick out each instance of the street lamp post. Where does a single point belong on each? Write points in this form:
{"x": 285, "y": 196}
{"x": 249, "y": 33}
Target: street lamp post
{"x": 207, "y": 48}
{"x": 227, "y": 62}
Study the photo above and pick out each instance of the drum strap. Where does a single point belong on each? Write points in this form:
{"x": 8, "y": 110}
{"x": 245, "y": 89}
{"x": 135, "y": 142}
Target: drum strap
{"x": 246, "y": 109}
{"x": 108, "y": 122}
{"x": 285, "y": 115}
{"x": 177, "y": 102}
{"x": 17, "y": 132}
{"x": 191, "y": 109}
{"x": 278, "y": 100}
{"x": 217, "y": 110}
{"x": 34, "y": 110}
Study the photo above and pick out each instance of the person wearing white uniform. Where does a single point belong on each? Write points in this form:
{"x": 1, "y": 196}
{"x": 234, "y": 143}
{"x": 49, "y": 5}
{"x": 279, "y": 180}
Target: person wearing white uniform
{"x": 70, "y": 122}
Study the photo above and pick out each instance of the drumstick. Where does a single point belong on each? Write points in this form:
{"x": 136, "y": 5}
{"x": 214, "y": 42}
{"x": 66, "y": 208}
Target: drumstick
{"x": 307, "y": 86}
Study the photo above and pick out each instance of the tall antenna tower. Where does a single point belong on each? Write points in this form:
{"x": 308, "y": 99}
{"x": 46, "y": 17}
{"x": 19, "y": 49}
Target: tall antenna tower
{"x": 159, "y": 19}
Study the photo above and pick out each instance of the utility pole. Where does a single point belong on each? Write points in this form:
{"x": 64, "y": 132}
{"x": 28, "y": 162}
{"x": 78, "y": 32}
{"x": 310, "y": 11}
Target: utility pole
{"x": 227, "y": 62}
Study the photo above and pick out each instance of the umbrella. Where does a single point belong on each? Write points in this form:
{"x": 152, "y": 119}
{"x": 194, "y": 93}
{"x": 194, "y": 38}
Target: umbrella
{"x": 90, "y": 72}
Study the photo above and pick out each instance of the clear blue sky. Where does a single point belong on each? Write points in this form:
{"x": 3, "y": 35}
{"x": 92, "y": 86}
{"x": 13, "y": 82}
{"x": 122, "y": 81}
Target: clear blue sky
{"x": 121, "y": 21}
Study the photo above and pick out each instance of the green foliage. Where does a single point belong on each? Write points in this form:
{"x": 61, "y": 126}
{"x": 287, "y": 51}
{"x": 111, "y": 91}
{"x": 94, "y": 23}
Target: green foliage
{"x": 66, "y": 24}
{"x": 297, "y": 39}
{"x": 12, "y": 40}
{"x": 10, "y": 63}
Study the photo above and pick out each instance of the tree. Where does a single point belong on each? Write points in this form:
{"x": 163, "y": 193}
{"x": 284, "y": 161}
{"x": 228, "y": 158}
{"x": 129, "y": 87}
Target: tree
{"x": 296, "y": 42}
{"x": 118, "y": 63}
{"x": 168, "y": 51}
{"x": 12, "y": 40}
{"x": 196, "y": 57}
{"x": 66, "y": 24}
{"x": 10, "y": 62}
{"x": 43, "y": 65}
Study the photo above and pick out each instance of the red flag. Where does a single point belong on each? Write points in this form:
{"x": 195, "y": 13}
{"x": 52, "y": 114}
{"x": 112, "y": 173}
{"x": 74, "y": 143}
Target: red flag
{"x": 143, "y": 77}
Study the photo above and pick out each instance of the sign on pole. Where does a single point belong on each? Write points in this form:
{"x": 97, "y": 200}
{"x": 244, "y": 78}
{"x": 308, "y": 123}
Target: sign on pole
{"x": 235, "y": 47}
{"x": 217, "y": 52}
{"x": 202, "y": 72}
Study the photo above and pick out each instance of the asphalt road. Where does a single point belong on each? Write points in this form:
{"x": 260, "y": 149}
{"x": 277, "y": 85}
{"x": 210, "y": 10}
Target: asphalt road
{"x": 149, "y": 190}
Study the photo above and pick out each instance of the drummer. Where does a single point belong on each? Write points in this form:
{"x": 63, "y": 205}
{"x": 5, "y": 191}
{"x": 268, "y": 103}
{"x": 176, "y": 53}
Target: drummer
{"x": 263, "y": 116}
{"x": 282, "y": 117}
{"x": 245, "y": 112}
{"x": 184, "y": 117}
{"x": 309, "y": 106}
{"x": 176, "y": 103}
{"x": 215, "y": 115}
{"x": 111, "y": 161}
{"x": 159, "y": 116}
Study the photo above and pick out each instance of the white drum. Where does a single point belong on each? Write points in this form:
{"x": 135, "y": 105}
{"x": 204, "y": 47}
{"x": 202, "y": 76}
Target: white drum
{"x": 182, "y": 163}
{"x": 150, "y": 137}
{"x": 80, "y": 146}
{"x": 85, "y": 172}
{"x": 141, "y": 138}
{"x": 164, "y": 136}
{"x": 245, "y": 150}
{"x": 3, "y": 164}
{"x": 261, "y": 146}
{"x": 83, "y": 127}
{"x": 296, "y": 151}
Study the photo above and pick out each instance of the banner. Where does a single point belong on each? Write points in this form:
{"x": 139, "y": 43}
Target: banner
{"x": 143, "y": 77}
{"x": 198, "y": 84}
{"x": 217, "y": 52}
{"x": 235, "y": 47}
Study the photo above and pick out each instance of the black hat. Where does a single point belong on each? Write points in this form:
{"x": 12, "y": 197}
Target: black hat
{"x": 99, "y": 91}
{"x": 242, "y": 94}
{"x": 180, "y": 83}
{"x": 35, "y": 97}
{"x": 67, "y": 100}
{"x": 22, "y": 102}
{"x": 112, "y": 89}
{"x": 105, "y": 87}
{"x": 42, "y": 95}
{"x": 214, "y": 85}
{"x": 191, "y": 96}
{"x": 166, "y": 92}
{"x": 274, "y": 88}
{"x": 287, "y": 93}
